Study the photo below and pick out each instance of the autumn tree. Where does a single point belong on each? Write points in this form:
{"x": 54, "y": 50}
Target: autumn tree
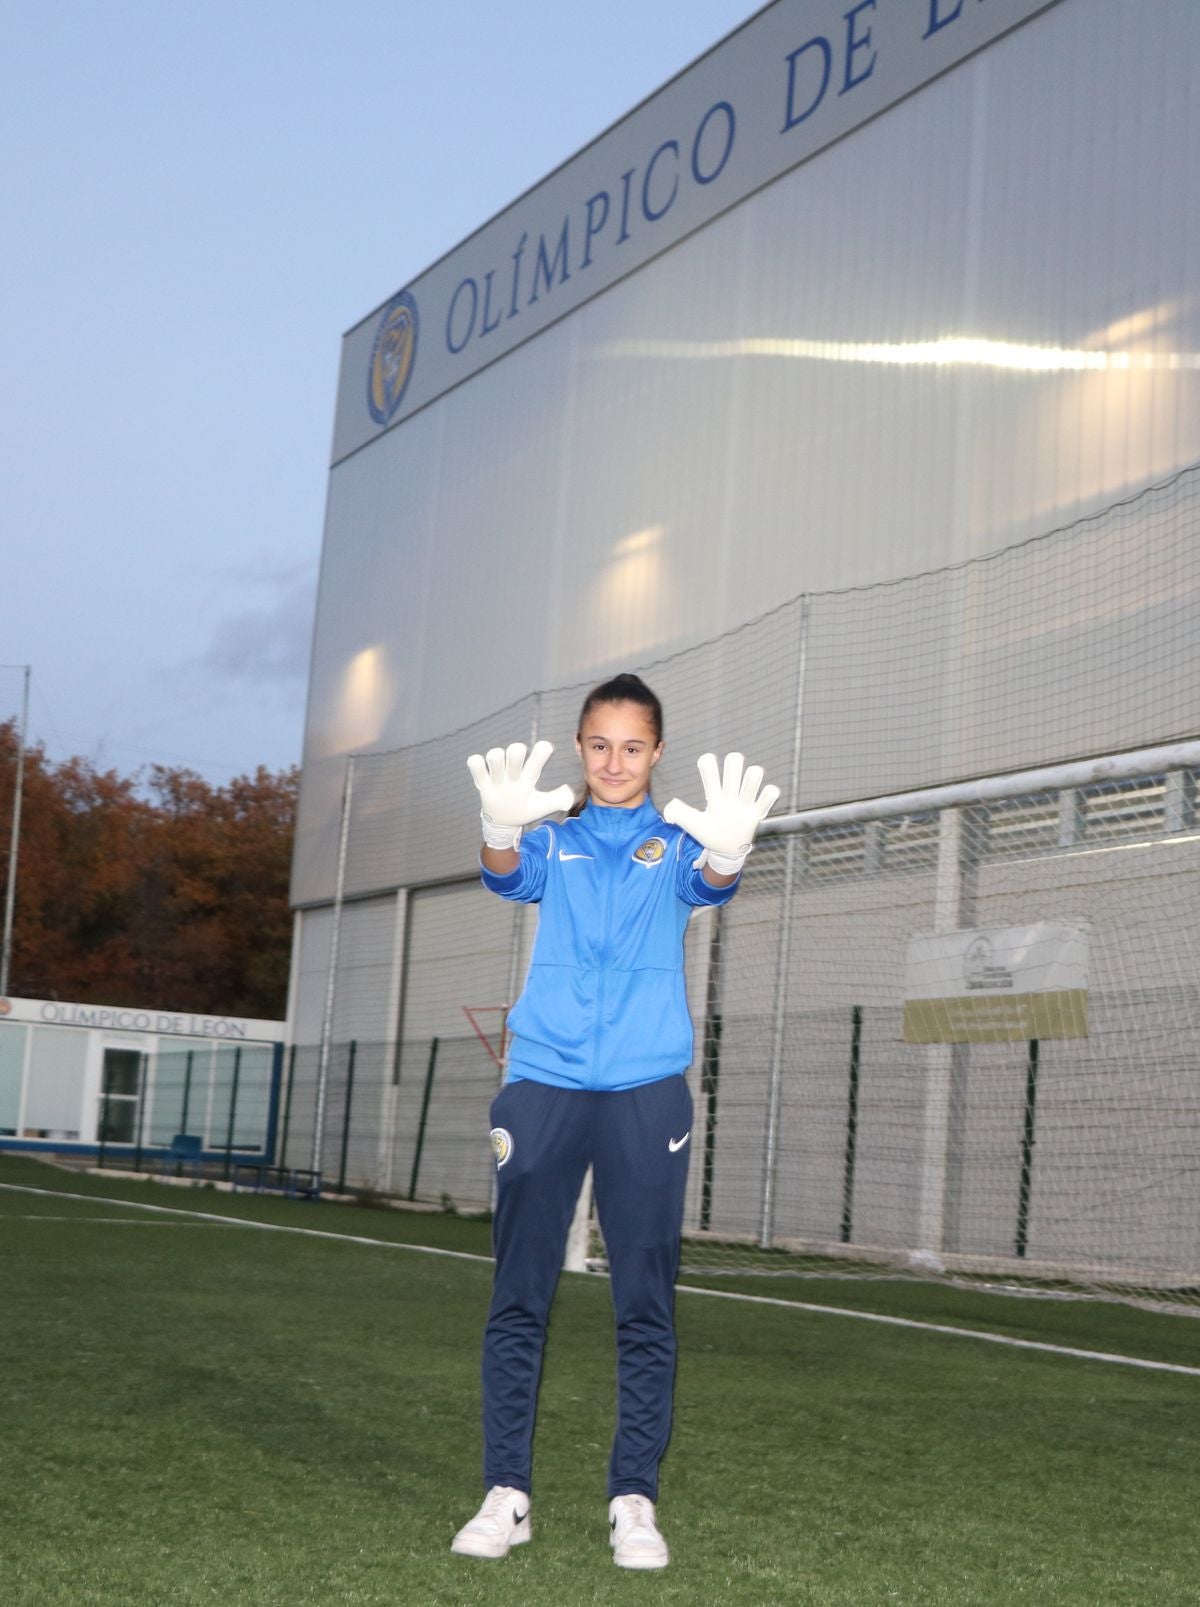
{"x": 159, "y": 890}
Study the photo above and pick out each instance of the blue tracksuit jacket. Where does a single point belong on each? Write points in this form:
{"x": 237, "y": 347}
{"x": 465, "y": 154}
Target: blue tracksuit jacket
{"x": 604, "y": 1005}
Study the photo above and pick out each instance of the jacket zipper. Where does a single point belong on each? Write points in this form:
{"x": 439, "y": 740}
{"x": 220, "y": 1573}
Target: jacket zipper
{"x": 604, "y": 956}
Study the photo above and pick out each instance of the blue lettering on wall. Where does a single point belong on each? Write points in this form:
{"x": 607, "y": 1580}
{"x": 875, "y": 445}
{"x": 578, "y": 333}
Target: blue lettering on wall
{"x": 489, "y": 323}
{"x": 591, "y": 228}
{"x": 938, "y": 19}
{"x": 650, "y": 213}
{"x": 476, "y": 307}
{"x": 855, "y": 42}
{"x": 625, "y": 181}
{"x": 545, "y": 267}
{"x": 726, "y": 110}
{"x": 468, "y": 324}
{"x": 697, "y": 154}
{"x": 513, "y": 309}
{"x": 794, "y": 116}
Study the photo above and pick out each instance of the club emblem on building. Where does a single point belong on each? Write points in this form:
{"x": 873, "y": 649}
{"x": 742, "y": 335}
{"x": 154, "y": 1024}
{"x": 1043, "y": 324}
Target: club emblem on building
{"x": 392, "y": 357}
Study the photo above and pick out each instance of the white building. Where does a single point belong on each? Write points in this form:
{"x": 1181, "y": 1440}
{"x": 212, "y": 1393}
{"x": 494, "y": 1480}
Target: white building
{"x": 761, "y": 393}
{"x": 75, "y": 1077}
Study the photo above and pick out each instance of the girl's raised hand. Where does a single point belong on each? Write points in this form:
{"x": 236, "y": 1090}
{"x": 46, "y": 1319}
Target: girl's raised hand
{"x": 509, "y": 797}
{"x": 733, "y": 810}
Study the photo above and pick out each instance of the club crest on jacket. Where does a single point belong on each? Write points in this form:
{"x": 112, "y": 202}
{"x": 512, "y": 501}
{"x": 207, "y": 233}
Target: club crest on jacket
{"x": 651, "y": 851}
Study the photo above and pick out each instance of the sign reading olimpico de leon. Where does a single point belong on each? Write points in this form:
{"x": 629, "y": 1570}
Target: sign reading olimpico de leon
{"x": 999, "y": 986}
{"x": 114, "y": 1018}
{"x": 796, "y": 77}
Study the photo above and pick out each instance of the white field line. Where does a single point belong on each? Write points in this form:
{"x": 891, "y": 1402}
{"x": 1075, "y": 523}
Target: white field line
{"x": 1107, "y": 1357}
{"x": 243, "y": 1222}
{"x": 945, "y": 1328}
{"x": 112, "y": 1221}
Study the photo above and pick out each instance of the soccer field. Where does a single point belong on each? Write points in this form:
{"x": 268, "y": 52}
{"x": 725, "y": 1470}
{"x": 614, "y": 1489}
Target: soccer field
{"x": 197, "y": 1410}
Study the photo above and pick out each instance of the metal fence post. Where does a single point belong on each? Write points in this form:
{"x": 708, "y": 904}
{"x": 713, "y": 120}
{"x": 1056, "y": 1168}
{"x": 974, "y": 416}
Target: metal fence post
{"x": 346, "y": 1113}
{"x": 331, "y": 984}
{"x": 271, "y": 1133}
{"x": 783, "y": 956}
{"x": 287, "y": 1105}
{"x": 143, "y": 1078}
{"x": 187, "y": 1092}
{"x": 856, "y": 1021}
{"x": 392, "y": 1049}
{"x": 433, "y": 1053}
{"x": 516, "y": 953}
{"x": 1027, "y": 1142}
{"x": 710, "y": 1069}
{"x": 233, "y": 1096}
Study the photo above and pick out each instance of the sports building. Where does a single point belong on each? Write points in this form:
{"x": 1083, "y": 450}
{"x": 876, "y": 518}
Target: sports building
{"x": 848, "y": 389}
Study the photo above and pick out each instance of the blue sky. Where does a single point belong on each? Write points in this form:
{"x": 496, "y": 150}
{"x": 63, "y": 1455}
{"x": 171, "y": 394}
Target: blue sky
{"x": 199, "y": 199}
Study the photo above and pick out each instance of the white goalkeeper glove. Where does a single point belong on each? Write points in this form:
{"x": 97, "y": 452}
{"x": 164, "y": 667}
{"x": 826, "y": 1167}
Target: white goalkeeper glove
{"x": 733, "y": 810}
{"x": 507, "y": 783}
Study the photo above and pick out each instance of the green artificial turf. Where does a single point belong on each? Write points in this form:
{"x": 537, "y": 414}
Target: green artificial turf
{"x": 201, "y": 1412}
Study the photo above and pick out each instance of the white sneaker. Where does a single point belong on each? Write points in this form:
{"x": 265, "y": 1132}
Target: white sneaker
{"x": 501, "y": 1523}
{"x": 633, "y": 1533}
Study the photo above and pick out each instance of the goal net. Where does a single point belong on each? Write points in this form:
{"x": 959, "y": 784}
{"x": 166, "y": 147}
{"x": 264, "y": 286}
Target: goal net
{"x": 961, "y": 1041}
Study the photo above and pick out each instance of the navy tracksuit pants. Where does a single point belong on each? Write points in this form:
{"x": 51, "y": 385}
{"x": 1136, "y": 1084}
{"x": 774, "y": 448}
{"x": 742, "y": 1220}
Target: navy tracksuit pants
{"x": 637, "y": 1143}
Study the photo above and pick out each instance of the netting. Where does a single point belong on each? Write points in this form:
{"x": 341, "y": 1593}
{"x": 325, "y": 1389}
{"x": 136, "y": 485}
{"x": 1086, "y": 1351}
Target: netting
{"x": 1017, "y": 1098}
{"x": 1080, "y": 641}
{"x": 850, "y": 1106}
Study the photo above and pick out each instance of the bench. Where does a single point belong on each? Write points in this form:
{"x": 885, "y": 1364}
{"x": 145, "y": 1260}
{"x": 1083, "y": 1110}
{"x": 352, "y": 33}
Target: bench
{"x": 258, "y": 1177}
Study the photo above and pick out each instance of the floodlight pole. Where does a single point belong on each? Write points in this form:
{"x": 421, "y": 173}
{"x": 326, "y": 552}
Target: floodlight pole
{"x": 10, "y": 890}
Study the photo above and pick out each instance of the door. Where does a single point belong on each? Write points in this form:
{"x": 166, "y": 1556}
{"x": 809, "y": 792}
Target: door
{"x": 120, "y": 1095}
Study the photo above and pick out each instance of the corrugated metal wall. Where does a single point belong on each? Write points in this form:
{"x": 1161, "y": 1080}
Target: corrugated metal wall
{"x": 771, "y": 407}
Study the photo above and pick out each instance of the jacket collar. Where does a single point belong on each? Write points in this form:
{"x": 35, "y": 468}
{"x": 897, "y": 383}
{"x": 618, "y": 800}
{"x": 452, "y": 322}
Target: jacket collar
{"x": 616, "y": 823}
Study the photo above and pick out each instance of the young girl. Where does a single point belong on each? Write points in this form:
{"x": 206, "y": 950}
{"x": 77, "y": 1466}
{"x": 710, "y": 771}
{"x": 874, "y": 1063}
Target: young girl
{"x": 601, "y": 1039}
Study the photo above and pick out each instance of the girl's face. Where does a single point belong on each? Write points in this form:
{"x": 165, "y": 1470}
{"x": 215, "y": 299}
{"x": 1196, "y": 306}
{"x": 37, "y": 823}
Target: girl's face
{"x": 619, "y": 750}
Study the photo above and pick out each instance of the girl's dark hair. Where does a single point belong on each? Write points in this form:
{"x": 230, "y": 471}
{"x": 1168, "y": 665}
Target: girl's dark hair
{"x": 621, "y": 689}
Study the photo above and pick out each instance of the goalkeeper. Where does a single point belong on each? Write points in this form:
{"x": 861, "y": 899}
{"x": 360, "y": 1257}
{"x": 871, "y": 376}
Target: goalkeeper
{"x": 601, "y": 1039}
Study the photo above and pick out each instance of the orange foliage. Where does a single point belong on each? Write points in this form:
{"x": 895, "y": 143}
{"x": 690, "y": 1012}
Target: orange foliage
{"x": 159, "y": 890}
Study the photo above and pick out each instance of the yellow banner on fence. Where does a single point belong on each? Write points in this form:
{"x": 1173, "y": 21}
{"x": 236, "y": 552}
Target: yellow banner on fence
{"x": 1014, "y": 1019}
{"x": 998, "y": 986}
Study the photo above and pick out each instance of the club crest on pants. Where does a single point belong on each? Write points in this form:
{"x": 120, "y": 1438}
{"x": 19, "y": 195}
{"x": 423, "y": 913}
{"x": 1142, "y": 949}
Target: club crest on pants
{"x": 502, "y": 1144}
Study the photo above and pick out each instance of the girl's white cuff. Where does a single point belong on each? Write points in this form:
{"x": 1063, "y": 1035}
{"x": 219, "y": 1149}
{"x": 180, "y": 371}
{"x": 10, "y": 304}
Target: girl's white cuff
{"x": 725, "y": 864}
{"x": 500, "y": 836}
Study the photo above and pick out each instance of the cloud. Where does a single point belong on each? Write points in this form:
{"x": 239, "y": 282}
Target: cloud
{"x": 268, "y": 641}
